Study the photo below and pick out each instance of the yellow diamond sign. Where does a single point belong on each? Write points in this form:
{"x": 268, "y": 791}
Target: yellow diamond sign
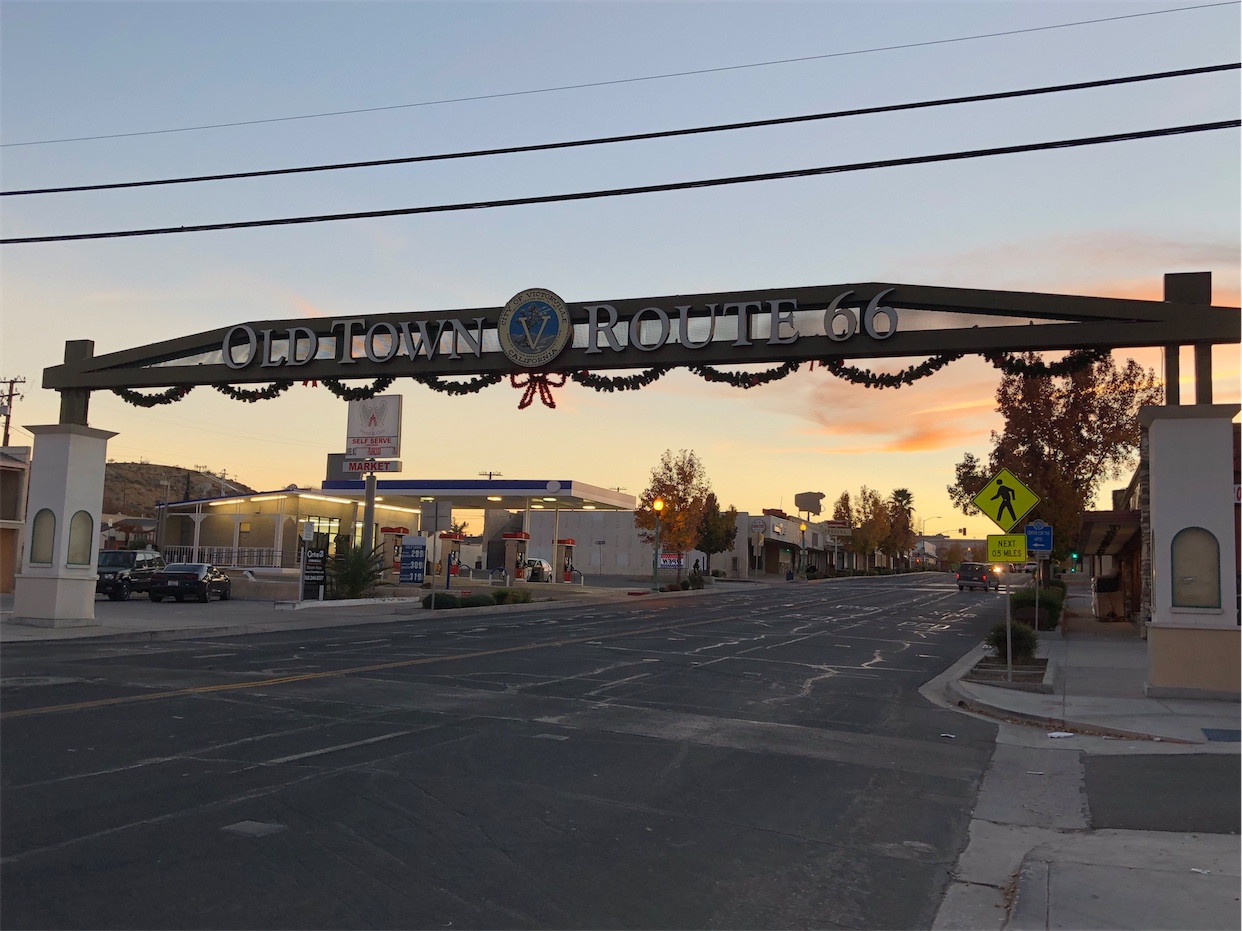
{"x": 1005, "y": 499}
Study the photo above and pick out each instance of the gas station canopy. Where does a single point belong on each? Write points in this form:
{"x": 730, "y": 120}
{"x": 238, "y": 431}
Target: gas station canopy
{"x": 490, "y": 494}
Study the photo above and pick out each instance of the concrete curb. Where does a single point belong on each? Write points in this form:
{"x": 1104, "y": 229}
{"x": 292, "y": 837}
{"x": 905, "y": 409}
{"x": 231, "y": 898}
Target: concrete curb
{"x": 964, "y": 700}
{"x": 1028, "y": 911}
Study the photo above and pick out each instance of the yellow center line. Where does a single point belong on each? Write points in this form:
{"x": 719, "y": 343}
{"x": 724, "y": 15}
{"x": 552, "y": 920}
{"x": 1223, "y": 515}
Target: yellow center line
{"x": 333, "y": 673}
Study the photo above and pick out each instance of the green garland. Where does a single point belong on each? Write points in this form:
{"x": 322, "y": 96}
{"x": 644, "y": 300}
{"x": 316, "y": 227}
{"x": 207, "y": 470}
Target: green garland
{"x": 744, "y": 379}
{"x": 619, "y": 383}
{"x": 176, "y": 393}
{"x": 474, "y": 385}
{"x": 275, "y": 389}
{"x": 1007, "y": 362}
{"x": 357, "y": 394}
{"x": 1076, "y": 361}
{"x": 908, "y": 376}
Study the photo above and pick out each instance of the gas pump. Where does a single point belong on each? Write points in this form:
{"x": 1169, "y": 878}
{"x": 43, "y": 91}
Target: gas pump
{"x": 515, "y": 552}
{"x": 450, "y": 547}
{"x": 565, "y": 558}
{"x": 390, "y": 542}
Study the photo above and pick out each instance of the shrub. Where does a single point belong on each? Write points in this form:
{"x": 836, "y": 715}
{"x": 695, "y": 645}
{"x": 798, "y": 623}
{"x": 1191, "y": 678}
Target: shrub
{"x": 354, "y": 572}
{"x": 1024, "y": 639}
{"x": 718, "y": 573}
{"x": 442, "y": 600}
{"x": 684, "y": 585}
{"x": 670, "y": 587}
{"x": 511, "y": 596}
{"x": 479, "y": 600}
{"x": 696, "y": 581}
{"x": 1051, "y": 602}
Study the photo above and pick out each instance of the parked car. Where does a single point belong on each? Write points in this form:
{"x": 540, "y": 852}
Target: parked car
{"x": 537, "y": 570}
{"x": 121, "y": 572}
{"x": 977, "y": 575}
{"x": 181, "y": 579}
{"x": 1031, "y": 567}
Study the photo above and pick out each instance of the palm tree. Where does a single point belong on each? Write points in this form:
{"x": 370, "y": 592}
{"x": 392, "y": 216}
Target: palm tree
{"x": 901, "y": 498}
{"x": 901, "y": 502}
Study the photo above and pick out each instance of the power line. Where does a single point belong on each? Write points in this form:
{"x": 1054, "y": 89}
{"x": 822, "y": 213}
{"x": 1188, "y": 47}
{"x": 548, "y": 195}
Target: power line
{"x": 636, "y": 137}
{"x": 646, "y": 189}
{"x": 618, "y": 81}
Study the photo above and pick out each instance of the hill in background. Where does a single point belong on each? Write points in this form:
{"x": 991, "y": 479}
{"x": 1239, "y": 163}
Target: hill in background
{"x": 133, "y": 488}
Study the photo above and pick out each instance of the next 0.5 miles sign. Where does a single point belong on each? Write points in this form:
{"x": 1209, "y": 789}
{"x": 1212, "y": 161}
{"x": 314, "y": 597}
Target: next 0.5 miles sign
{"x": 1007, "y": 548}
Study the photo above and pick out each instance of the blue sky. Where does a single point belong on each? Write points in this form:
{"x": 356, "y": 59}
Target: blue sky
{"x": 1108, "y": 220}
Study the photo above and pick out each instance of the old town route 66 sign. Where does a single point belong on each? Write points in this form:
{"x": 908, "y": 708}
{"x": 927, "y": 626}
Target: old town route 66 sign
{"x": 534, "y": 327}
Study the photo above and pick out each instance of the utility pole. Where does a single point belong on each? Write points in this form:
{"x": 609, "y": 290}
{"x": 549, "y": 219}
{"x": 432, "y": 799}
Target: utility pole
{"x": 6, "y": 406}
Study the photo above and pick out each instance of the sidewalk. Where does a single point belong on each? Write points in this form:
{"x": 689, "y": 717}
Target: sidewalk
{"x": 1033, "y": 861}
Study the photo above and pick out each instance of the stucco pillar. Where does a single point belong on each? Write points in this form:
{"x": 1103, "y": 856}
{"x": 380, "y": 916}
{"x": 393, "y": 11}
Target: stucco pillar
{"x": 1193, "y": 634}
{"x": 56, "y": 587}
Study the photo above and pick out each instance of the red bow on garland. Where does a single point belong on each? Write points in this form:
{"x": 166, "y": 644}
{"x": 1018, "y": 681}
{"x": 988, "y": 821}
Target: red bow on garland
{"x": 537, "y": 383}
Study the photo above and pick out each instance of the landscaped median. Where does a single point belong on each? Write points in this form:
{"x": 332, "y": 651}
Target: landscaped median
{"x": 448, "y": 600}
{"x": 1014, "y": 662}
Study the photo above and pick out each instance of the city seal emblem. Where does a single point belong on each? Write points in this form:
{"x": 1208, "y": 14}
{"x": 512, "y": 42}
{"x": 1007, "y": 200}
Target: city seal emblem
{"x": 534, "y": 327}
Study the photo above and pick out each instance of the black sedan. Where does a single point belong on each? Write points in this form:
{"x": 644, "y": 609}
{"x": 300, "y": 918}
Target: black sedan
{"x": 180, "y": 579}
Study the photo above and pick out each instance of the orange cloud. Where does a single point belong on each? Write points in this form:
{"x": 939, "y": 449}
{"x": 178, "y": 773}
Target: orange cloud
{"x": 305, "y": 308}
{"x": 1071, "y": 264}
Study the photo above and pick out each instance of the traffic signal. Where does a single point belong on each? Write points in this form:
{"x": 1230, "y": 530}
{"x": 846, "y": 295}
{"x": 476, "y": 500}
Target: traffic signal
{"x": 962, "y": 531}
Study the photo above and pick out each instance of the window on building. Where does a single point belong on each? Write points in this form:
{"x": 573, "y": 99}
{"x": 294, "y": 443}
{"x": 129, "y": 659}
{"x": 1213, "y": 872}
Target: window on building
{"x": 81, "y": 533}
{"x": 1196, "y": 569}
{"x": 42, "y": 537}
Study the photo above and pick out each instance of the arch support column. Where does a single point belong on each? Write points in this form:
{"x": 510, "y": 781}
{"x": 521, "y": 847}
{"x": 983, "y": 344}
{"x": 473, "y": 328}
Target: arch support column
{"x": 56, "y": 587}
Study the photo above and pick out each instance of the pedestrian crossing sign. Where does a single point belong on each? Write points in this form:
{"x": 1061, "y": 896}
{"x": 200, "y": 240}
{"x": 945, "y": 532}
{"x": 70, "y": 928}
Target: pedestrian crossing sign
{"x": 1005, "y": 500}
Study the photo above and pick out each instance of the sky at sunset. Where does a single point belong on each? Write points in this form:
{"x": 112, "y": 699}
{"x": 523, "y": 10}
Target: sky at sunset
{"x": 101, "y": 92}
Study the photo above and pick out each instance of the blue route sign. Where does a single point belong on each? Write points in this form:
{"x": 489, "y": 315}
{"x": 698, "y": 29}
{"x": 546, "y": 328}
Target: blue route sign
{"x": 1039, "y": 537}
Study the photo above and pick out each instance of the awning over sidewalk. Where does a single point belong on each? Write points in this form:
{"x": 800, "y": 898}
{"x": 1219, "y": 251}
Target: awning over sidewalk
{"x": 1107, "y": 533}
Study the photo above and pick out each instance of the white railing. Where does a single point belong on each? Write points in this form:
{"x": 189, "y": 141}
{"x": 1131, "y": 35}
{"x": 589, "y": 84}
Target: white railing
{"x": 253, "y": 556}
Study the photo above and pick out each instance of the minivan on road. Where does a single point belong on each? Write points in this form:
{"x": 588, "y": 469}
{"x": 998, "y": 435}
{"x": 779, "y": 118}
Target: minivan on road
{"x": 977, "y": 575}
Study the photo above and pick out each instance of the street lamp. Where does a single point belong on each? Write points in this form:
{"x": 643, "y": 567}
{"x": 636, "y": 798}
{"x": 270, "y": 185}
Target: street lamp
{"x": 657, "y": 505}
{"x": 802, "y": 553}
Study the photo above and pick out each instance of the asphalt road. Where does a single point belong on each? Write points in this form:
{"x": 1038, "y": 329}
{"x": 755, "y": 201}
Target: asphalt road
{"x": 750, "y": 760}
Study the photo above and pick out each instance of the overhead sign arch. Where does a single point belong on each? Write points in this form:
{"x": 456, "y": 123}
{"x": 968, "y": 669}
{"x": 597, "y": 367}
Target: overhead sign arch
{"x": 537, "y": 335}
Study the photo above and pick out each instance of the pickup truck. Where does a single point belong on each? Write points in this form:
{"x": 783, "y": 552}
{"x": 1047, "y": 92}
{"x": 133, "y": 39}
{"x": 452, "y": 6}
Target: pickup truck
{"x": 977, "y": 575}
